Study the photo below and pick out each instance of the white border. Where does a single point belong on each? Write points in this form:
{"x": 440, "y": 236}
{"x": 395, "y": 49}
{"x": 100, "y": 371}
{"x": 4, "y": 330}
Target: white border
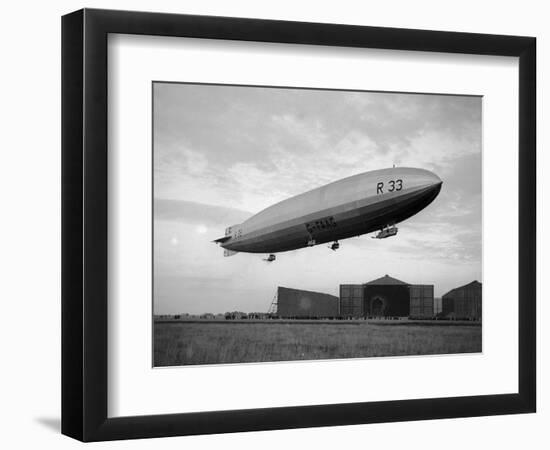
{"x": 136, "y": 389}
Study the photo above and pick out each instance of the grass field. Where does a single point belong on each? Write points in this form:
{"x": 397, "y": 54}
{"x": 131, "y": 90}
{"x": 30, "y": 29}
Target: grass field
{"x": 184, "y": 343}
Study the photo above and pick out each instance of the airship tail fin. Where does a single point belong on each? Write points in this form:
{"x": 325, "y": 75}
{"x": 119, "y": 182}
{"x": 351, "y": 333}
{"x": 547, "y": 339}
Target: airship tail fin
{"x": 222, "y": 240}
{"x": 229, "y": 253}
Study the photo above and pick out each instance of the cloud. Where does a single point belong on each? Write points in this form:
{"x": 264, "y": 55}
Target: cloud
{"x": 197, "y": 213}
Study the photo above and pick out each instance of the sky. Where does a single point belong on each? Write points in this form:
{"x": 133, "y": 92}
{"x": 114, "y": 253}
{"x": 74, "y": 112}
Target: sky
{"x": 223, "y": 153}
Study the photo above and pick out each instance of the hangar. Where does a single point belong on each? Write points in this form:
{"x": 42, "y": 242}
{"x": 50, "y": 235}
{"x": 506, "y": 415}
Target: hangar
{"x": 297, "y": 303}
{"x": 463, "y": 302}
{"x": 386, "y": 297}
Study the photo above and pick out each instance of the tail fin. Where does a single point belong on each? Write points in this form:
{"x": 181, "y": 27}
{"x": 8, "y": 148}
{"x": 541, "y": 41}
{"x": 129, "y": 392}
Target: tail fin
{"x": 222, "y": 239}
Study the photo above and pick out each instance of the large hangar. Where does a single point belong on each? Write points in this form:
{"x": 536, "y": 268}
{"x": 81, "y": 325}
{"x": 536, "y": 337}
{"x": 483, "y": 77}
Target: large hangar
{"x": 463, "y": 302}
{"x": 386, "y": 297}
{"x": 297, "y": 303}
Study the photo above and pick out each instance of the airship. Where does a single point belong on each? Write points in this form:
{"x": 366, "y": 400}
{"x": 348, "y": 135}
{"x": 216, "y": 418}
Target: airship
{"x": 368, "y": 202}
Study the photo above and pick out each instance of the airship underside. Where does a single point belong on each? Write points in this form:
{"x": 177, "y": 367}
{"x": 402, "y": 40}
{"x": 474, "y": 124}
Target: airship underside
{"x": 346, "y": 208}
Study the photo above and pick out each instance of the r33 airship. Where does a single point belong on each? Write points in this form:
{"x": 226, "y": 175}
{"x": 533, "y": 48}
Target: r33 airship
{"x": 353, "y": 206}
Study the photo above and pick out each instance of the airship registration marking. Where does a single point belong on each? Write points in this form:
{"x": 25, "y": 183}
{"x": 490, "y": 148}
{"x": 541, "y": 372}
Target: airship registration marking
{"x": 321, "y": 224}
{"x": 394, "y": 185}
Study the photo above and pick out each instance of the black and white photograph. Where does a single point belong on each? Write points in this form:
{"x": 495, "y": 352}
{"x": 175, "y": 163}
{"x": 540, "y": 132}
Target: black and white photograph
{"x": 267, "y": 225}
{"x": 314, "y": 224}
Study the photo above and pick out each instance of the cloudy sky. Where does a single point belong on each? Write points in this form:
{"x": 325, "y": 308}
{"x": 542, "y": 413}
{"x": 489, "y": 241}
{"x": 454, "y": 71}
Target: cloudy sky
{"x": 223, "y": 153}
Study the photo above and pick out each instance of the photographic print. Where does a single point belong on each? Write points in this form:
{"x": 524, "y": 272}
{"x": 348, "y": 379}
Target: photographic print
{"x": 314, "y": 224}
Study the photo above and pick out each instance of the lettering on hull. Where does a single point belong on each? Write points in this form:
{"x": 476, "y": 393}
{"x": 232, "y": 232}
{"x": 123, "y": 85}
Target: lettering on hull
{"x": 327, "y": 223}
{"x": 392, "y": 185}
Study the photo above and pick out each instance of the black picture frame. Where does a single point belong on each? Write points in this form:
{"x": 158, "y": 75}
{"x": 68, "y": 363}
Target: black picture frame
{"x": 84, "y": 224}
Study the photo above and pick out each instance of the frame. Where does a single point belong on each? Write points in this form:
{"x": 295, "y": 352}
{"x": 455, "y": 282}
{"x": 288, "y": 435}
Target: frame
{"x": 84, "y": 225}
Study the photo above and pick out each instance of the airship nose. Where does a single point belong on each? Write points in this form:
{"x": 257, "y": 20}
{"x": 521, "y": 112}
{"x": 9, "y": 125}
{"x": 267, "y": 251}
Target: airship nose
{"x": 429, "y": 180}
{"x": 433, "y": 179}
{"x": 435, "y": 184}
{"x": 430, "y": 186}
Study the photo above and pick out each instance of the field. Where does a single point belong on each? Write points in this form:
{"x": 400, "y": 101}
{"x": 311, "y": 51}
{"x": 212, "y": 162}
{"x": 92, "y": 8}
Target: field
{"x": 218, "y": 342}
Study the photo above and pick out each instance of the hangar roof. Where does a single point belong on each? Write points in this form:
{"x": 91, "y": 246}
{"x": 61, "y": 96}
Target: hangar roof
{"x": 303, "y": 291}
{"x": 387, "y": 280}
{"x": 473, "y": 284}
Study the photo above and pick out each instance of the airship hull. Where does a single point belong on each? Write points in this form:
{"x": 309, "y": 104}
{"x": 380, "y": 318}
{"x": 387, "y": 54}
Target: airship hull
{"x": 347, "y": 208}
